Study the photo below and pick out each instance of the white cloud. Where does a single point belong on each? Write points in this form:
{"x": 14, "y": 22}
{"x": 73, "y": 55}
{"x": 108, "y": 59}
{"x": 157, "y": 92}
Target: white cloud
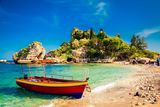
{"x": 96, "y": 10}
{"x": 148, "y": 32}
{"x": 101, "y": 9}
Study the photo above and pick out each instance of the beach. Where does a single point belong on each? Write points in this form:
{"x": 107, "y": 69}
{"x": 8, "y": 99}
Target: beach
{"x": 113, "y": 85}
{"x": 142, "y": 89}
{"x": 99, "y": 75}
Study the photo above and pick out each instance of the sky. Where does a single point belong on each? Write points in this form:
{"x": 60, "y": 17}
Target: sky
{"x": 51, "y": 21}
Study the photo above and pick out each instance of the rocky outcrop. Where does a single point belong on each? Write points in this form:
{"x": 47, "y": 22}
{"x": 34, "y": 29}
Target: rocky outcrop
{"x": 143, "y": 60}
{"x": 35, "y": 51}
{"x": 80, "y": 55}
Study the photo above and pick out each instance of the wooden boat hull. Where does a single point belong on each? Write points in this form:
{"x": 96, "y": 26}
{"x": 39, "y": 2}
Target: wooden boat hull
{"x": 76, "y": 89}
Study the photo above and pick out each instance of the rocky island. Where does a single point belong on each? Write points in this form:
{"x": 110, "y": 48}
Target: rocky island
{"x": 87, "y": 46}
{"x": 34, "y": 52}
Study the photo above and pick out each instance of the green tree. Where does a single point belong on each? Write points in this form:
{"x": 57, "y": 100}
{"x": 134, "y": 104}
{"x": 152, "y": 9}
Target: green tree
{"x": 101, "y": 34}
{"x": 94, "y": 53}
{"x": 75, "y": 44}
{"x": 112, "y": 45}
{"x": 84, "y": 42}
{"x": 118, "y": 35}
{"x": 77, "y": 36}
{"x": 92, "y": 34}
{"x": 93, "y": 42}
{"x": 134, "y": 41}
{"x": 86, "y": 34}
{"x": 65, "y": 44}
{"x": 138, "y": 42}
{"x": 143, "y": 44}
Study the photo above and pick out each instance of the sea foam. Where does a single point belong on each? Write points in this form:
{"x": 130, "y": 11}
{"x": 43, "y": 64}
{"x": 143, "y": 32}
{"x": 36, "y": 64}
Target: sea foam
{"x": 51, "y": 104}
{"x": 103, "y": 87}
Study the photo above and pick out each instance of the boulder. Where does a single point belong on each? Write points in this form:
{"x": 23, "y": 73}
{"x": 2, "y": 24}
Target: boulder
{"x": 143, "y": 60}
{"x": 35, "y": 51}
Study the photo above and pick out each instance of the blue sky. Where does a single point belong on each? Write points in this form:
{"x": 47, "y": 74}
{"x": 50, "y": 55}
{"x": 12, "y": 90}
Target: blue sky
{"x": 51, "y": 21}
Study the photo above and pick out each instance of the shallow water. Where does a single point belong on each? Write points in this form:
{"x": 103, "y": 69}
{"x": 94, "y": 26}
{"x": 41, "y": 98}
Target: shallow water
{"x": 12, "y": 95}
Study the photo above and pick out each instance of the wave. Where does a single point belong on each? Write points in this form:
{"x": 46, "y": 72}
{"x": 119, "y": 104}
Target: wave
{"x": 103, "y": 87}
{"x": 51, "y": 104}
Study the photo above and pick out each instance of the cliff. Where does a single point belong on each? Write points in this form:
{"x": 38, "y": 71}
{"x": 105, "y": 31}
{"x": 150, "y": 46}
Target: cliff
{"x": 35, "y": 51}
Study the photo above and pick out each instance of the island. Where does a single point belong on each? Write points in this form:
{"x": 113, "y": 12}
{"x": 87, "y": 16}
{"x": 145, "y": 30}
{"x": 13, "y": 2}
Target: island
{"x": 87, "y": 46}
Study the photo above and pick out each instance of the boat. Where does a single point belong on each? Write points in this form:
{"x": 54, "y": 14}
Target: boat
{"x": 47, "y": 61}
{"x": 56, "y": 86}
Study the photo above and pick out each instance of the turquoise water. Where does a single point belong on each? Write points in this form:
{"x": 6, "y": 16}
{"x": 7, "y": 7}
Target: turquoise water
{"x": 13, "y": 96}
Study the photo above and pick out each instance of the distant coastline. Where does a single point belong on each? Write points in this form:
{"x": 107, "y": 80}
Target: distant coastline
{"x": 6, "y": 61}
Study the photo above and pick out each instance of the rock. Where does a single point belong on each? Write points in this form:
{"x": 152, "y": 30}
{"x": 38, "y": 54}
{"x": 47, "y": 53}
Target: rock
{"x": 152, "y": 100}
{"x": 137, "y": 94}
{"x": 80, "y": 55}
{"x": 142, "y": 88}
{"x": 130, "y": 93}
{"x": 155, "y": 100}
{"x": 151, "y": 88}
{"x": 146, "y": 94}
{"x": 143, "y": 60}
{"x": 35, "y": 51}
{"x": 138, "y": 104}
{"x": 143, "y": 95}
{"x": 146, "y": 100}
{"x": 143, "y": 103}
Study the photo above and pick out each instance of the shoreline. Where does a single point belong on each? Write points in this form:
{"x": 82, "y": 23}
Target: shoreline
{"x": 120, "y": 93}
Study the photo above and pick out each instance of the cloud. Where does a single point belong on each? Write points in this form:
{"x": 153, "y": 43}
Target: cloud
{"x": 95, "y": 10}
{"x": 101, "y": 9}
{"x": 148, "y": 32}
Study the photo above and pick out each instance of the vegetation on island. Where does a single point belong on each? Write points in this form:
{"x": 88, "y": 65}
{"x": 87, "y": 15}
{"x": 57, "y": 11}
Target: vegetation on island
{"x": 88, "y": 46}
{"x": 101, "y": 46}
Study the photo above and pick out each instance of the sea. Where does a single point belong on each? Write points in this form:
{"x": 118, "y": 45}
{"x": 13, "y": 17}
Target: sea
{"x": 11, "y": 95}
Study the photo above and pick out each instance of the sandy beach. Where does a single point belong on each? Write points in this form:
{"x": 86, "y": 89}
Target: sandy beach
{"x": 140, "y": 89}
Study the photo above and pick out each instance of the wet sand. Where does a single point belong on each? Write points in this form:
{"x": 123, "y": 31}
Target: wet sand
{"x": 140, "y": 89}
